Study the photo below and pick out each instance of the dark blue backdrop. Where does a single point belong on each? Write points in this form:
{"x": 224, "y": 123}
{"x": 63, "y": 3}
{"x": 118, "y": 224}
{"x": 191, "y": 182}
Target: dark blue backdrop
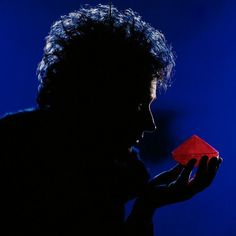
{"x": 201, "y": 100}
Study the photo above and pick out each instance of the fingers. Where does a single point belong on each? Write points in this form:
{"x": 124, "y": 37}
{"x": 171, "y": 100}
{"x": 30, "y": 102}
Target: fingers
{"x": 183, "y": 178}
{"x": 206, "y": 173}
{"x": 202, "y": 168}
{"x": 213, "y": 166}
{"x": 168, "y": 176}
{"x": 180, "y": 187}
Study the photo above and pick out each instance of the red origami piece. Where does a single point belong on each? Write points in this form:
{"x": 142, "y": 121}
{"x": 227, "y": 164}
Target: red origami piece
{"x": 194, "y": 147}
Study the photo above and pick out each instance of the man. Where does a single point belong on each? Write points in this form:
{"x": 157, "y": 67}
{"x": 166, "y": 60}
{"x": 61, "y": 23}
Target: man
{"x": 68, "y": 165}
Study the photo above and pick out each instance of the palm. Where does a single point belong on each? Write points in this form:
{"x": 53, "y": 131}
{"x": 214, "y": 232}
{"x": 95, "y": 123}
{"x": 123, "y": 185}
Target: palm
{"x": 177, "y": 184}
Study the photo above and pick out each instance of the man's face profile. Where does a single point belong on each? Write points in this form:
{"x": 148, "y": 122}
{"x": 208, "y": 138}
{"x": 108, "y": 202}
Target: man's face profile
{"x": 142, "y": 120}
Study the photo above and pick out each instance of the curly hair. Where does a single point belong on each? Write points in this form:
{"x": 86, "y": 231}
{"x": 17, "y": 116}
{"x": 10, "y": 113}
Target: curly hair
{"x": 94, "y": 37}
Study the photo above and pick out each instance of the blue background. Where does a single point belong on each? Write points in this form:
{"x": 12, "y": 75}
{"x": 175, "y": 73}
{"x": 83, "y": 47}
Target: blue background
{"x": 201, "y": 100}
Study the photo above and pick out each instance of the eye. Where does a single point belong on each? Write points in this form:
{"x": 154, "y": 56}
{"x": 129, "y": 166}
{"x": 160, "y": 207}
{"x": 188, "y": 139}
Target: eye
{"x": 144, "y": 106}
{"x": 140, "y": 106}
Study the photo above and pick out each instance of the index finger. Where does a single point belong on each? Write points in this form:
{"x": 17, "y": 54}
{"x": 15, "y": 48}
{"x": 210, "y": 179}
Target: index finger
{"x": 185, "y": 174}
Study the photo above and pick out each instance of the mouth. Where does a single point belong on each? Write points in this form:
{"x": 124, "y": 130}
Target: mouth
{"x": 139, "y": 138}
{"x": 135, "y": 138}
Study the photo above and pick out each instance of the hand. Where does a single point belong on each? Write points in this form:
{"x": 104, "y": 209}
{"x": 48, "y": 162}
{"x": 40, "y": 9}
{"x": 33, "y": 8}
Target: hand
{"x": 177, "y": 185}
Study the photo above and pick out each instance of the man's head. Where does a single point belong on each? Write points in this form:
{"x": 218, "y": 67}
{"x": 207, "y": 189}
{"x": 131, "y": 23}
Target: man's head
{"x": 99, "y": 60}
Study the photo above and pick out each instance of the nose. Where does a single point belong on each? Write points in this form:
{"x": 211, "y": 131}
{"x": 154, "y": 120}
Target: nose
{"x": 150, "y": 125}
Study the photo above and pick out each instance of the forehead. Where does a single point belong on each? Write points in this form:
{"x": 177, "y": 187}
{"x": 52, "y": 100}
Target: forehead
{"x": 147, "y": 92}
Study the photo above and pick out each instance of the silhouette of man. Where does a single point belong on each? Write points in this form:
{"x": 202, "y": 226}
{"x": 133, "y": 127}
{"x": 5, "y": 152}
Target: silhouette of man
{"x": 68, "y": 166}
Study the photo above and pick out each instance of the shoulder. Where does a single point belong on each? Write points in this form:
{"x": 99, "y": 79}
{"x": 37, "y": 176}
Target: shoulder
{"x": 21, "y": 132}
{"x": 9, "y": 116}
{"x": 21, "y": 117}
{"x": 21, "y": 122}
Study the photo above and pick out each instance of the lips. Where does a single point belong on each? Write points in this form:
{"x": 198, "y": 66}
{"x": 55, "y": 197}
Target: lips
{"x": 139, "y": 137}
{"x": 135, "y": 138}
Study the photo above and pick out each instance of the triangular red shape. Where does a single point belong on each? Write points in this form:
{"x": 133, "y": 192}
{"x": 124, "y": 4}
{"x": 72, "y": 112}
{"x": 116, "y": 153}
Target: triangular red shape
{"x": 193, "y": 147}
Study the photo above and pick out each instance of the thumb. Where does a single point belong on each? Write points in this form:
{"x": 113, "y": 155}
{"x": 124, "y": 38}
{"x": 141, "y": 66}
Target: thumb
{"x": 167, "y": 177}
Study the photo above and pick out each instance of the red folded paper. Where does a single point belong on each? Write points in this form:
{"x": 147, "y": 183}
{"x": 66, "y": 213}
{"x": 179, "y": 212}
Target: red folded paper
{"x": 193, "y": 147}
